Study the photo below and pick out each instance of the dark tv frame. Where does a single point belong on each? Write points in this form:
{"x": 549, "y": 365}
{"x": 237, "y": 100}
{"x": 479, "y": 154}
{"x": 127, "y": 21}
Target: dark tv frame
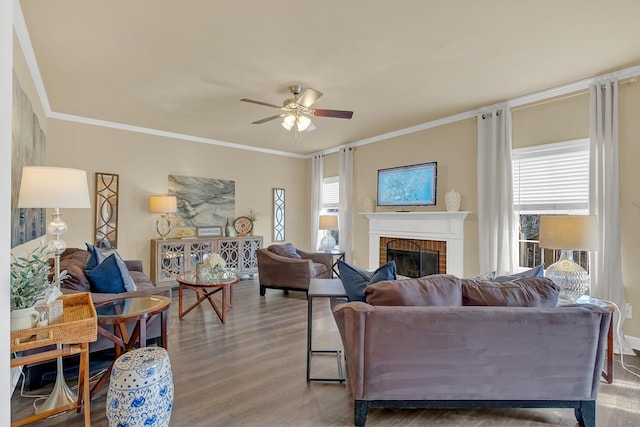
{"x": 431, "y": 168}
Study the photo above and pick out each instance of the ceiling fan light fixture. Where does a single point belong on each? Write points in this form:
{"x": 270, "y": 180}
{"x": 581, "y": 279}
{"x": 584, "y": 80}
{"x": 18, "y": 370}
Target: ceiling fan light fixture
{"x": 288, "y": 121}
{"x": 303, "y": 123}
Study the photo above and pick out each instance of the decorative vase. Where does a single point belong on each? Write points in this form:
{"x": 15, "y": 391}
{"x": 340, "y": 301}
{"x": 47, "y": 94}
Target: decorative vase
{"x": 452, "y": 201}
{"x": 368, "y": 204}
{"x": 202, "y": 272}
{"x": 141, "y": 389}
{"x": 228, "y": 228}
{"x": 24, "y": 318}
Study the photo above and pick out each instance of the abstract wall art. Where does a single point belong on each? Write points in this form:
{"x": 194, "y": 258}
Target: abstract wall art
{"x": 202, "y": 201}
{"x": 28, "y": 148}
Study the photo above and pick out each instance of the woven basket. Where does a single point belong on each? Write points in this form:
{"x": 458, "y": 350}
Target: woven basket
{"x": 78, "y": 324}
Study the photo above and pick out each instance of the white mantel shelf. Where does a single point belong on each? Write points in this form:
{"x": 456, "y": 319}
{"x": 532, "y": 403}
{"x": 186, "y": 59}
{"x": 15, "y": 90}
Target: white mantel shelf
{"x": 441, "y": 226}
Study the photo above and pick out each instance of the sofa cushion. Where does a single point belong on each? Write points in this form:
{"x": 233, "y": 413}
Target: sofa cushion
{"x": 106, "y": 278}
{"x": 99, "y": 255}
{"x": 433, "y": 290}
{"x": 526, "y": 292}
{"x": 355, "y": 282}
{"x": 532, "y": 272}
{"x": 287, "y": 250}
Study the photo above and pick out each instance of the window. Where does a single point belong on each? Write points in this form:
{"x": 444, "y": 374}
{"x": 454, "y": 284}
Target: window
{"x": 549, "y": 179}
{"x": 330, "y": 203}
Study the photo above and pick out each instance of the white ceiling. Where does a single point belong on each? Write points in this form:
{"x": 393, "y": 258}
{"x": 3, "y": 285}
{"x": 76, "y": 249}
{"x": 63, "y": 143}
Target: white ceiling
{"x": 183, "y": 66}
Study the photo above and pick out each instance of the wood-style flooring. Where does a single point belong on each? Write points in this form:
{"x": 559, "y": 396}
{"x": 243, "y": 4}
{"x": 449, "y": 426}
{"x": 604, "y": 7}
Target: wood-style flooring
{"x": 251, "y": 372}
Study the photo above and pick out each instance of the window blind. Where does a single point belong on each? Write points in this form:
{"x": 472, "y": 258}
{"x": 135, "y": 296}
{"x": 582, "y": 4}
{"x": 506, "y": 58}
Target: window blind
{"x": 331, "y": 192}
{"x": 552, "y": 177}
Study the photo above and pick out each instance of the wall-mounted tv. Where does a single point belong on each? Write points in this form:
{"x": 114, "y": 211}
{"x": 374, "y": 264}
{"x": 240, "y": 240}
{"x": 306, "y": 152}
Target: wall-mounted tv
{"x": 413, "y": 185}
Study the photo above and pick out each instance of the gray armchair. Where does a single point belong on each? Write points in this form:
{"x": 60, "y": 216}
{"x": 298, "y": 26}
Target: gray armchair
{"x": 288, "y": 268}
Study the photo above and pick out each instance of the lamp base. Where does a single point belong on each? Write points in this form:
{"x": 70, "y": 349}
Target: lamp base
{"x": 163, "y": 226}
{"x": 327, "y": 243}
{"x": 61, "y": 395}
{"x": 572, "y": 279}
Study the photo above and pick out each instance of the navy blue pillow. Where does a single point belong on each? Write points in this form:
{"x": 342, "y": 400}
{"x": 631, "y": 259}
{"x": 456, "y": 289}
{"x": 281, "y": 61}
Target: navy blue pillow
{"x": 355, "y": 280}
{"x": 94, "y": 258}
{"x": 106, "y": 278}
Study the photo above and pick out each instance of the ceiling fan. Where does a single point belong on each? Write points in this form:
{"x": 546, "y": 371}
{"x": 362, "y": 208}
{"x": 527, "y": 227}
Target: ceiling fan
{"x": 296, "y": 109}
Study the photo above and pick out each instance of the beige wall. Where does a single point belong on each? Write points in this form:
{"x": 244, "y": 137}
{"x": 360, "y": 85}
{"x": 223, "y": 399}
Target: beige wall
{"x": 144, "y": 163}
{"x": 454, "y": 148}
{"x": 629, "y": 106}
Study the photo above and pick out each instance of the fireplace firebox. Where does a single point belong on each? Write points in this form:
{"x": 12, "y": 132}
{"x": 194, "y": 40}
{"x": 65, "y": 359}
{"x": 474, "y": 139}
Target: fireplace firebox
{"x": 412, "y": 260}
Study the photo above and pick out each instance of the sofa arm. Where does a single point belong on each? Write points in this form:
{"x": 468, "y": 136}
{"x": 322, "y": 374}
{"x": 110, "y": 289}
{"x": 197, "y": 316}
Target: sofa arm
{"x": 134, "y": 265}
{"x": 319, "y": 257}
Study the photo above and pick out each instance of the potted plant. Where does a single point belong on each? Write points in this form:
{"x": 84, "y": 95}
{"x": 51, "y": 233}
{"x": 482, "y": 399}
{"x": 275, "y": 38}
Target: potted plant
{"x": 29, "y": 283}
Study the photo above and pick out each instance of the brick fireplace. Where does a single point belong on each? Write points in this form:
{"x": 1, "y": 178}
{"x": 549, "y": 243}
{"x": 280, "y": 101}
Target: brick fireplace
{"x": 442, "y": 231}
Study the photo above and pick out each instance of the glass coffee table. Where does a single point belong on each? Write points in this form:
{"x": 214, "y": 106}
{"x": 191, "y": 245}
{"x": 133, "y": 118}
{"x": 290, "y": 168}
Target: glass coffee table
{"x": 142, "y": 310}
{"x": 205, "y": 289}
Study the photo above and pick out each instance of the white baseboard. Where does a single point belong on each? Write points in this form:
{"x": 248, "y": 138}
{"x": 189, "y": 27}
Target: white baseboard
{"x": 634, "y": 341}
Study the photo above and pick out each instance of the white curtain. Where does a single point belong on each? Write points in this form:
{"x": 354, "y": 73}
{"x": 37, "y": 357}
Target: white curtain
{"x": 604, "y": 189}
{"x": 345, "y": 220}
{"x": 317, "y": 174}
{"x": 496, "y": 221}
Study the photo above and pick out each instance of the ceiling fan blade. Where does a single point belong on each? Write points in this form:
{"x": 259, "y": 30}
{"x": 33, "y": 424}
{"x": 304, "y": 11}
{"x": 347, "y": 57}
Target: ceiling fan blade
{"x": 338, "y": 114}
{"x": 259, "y": 122}
{"x": 308, "y": 97}
{"x": 260, "y": 103}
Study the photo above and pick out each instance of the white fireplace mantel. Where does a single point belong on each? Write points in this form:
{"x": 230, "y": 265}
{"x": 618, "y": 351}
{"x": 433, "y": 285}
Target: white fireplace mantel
{"x": 442, "y": 226}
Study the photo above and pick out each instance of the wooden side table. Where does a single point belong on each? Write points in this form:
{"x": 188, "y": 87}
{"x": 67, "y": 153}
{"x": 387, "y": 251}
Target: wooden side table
{"x": 75, "y": 331}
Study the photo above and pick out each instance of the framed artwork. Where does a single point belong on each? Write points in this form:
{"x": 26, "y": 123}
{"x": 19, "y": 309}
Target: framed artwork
{"x": 209, "y": 231}
{"x": 28, "y": 148}
{"x": 106, "y": 220}
{"x": 202, "y": 201}
{"x": 278, "y": 214}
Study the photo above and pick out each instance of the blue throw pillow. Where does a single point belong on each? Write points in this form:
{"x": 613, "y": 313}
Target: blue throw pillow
{"x": 355, "y": 280}
{"x": 94, "y": 258}
{"x": 99, "y": 255}
{"x": 106, "y": 278}
{"x": 532, "y": 272}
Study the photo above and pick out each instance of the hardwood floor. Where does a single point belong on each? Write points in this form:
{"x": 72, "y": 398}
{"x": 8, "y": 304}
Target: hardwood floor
{"x": 251, "y": 372}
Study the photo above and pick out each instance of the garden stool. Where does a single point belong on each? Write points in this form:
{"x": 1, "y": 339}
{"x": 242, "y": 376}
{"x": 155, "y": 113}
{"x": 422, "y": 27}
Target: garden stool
{"x": 141, "y": 389}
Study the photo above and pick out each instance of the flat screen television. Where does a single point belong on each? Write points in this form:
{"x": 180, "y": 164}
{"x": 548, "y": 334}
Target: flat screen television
{"x": 413, "y": 185}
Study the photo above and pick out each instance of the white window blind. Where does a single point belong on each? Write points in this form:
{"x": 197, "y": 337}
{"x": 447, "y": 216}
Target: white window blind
{"x": 552, "y": 177}
{"x": 331, "y": 193}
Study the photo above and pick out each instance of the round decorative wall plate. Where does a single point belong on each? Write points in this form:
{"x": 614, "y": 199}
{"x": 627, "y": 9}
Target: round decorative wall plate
{"x": 243, "y": 225}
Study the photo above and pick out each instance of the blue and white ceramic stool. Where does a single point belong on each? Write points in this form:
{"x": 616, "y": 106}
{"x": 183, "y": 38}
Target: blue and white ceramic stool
{"x": 141, "y": 389}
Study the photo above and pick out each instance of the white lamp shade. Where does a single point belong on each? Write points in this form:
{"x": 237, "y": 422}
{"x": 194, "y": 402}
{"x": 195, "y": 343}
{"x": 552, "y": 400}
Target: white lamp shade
{"x": 53, "y": 187}
{"x": 570, "y": 232}
{"x": 328, "y": 222}
{"x": 163, "y": 204}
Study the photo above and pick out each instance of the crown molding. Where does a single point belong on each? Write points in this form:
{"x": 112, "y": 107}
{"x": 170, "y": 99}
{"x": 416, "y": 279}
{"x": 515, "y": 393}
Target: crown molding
{"x": 22, "y": 32}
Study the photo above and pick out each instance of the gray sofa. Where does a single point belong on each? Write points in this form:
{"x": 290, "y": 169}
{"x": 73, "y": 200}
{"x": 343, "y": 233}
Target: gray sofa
{"x": 444, "y": 342}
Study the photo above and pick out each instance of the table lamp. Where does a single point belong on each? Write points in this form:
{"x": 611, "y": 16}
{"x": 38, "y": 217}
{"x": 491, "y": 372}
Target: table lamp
{"x": 328, "y": 222}
{"x": 568, "y": 233}
{"x": 55, "y": 188}
{"x": 163, "y": 205}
